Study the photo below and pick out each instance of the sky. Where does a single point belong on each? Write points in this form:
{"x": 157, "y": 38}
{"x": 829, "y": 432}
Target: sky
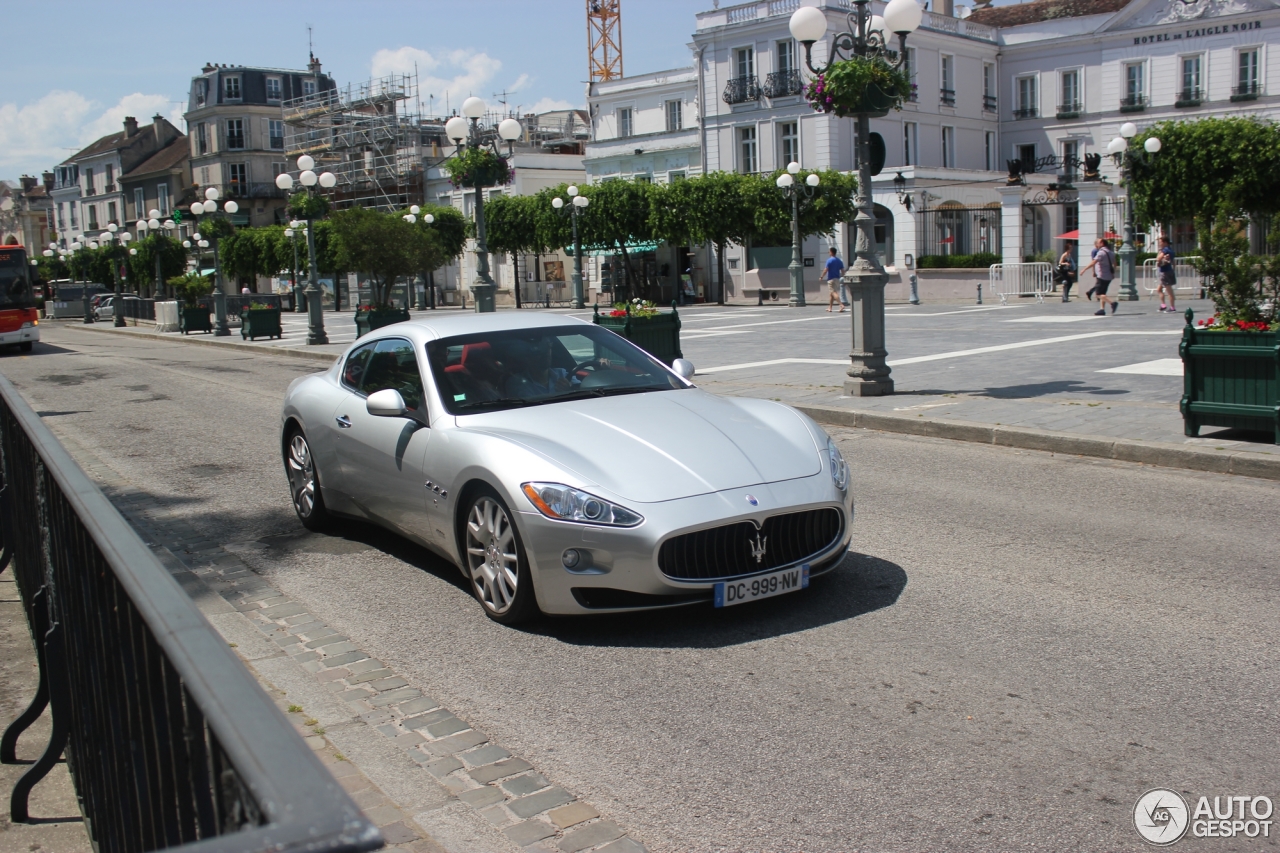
{"x": 71, "y": 71}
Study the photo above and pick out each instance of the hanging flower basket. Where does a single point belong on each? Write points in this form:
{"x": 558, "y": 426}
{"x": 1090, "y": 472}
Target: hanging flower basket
{"x": 860, "y": 85}
{"x": 479, "y": 167}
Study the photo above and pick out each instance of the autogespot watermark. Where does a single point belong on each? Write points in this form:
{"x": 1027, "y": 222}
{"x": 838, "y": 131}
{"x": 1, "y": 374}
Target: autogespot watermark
{"x": 1162, "y": 817}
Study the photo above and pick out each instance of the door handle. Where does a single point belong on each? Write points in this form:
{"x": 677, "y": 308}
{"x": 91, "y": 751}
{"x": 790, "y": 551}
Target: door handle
{"x": 344, "y": 422}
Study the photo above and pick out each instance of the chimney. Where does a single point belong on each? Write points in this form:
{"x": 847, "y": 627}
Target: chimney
{"x": 208, "y": 66}
{"x": 28, "y": 183}
{"x": 48, "y": 181}
{"x": 946, "y": 7}
{"x": 157, "y": 124}
{"x": 314, "y": 65}
{"x": 130, "y": 126}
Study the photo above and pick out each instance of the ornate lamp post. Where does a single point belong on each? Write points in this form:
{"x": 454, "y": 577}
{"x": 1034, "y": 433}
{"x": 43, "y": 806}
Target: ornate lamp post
{"x": 292, "y": 233}
{"x": 787, "y": 183}
{"x": 108, "y": 238}
{"x": 467, "y": 132}
{"x": 866, "y": 39}
{"x": 154, "y": 226}
{"x": 578, "y": 203}
{"x": 315, "y": 306}
{"x": 208, "y": 208}
{"x": 421, "y": 300}
{"x": 1119, "y": 149}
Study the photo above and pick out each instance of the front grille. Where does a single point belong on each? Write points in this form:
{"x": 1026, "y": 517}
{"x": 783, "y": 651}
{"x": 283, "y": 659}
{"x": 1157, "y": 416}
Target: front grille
{"x": 731, "y": 550}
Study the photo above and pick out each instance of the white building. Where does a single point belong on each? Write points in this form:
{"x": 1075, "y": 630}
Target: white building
{"x": 1043, "y": 83}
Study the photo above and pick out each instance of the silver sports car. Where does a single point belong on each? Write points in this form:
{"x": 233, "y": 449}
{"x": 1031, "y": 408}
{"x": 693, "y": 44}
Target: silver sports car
{"x": 563, "y": 469}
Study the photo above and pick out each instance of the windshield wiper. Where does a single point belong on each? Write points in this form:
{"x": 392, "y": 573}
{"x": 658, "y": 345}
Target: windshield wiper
{"x": 586, "y": 393}
{"x": 501, "y": 401}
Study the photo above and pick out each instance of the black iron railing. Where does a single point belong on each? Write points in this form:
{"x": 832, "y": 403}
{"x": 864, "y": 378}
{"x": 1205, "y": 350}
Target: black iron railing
{"x": 742, "y": 89}
{"x": 780, "y": 84}
{"x": 1246, "y": 91}
{"x": 1133, "y": 103}
{"x": 1024, "y": 112}
{"x": 169, "y": 740}
{"x": 1069, "y": 110}
{"x": 989, "y": 103}
{"x": 1188, "y": 98}
{"x": 136, "y": 309}
{"x": 948, "y": 97}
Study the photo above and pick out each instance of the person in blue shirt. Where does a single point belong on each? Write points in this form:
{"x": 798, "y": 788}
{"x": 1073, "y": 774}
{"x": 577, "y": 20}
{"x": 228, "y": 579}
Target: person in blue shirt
{"x": 1168, "y": 277}
{"x": 832, "y": 272}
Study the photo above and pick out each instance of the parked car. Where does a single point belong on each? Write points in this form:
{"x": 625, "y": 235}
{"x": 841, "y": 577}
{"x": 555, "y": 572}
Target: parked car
{"x": 563, "y": 469}
{"x": 105, "y": 309}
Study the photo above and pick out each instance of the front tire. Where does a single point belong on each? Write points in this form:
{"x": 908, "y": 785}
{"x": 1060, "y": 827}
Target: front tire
{"x": 25, "y": 346}
{"x": 304, "y": 484}
{"x": 496, "y": 561}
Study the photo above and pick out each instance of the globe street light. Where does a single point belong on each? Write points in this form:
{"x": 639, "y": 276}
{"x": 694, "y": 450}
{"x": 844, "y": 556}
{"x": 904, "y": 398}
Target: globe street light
{"x": 866, "y": 38}
{"x": 578, "y": 204}
{"x": 421, "y": 299}
{"x": 292, "y": 232}
{"x": 154, "y": 225}
{"x": 209, "y": 207}
{"x": 108, "y": 240}
{"x": 315, "y": 307}
{"x": 1125, "y": 157}
{"x": 787, "y": 183}
{"x": 467, "y": 132}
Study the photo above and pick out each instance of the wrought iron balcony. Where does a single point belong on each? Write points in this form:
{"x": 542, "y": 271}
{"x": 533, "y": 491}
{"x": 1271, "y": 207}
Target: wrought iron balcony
{"x": 1066, "y": 111}
{"x": 780, "y": 84}
{"x": 1247, "y": 91}
{"x": 739, "y": 90}
{"x": 989, "y": 103}
{"x": 1133, "y": 103}
{"x": 1025, "y": 112}
{"x": 1188, "y": 98}
{"x": 235, "y": 142}
{"x": 948, "y": 97}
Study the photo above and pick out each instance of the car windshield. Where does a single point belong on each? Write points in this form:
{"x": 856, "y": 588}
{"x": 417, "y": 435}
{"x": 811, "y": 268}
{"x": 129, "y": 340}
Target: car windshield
{"x": 15, "y": 287}
{"x": 491, "y": 371}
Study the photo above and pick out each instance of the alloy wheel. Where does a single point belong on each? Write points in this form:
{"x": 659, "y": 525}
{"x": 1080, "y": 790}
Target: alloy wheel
{"x": 302, "y": 476}
{"x": 492, "y": 556}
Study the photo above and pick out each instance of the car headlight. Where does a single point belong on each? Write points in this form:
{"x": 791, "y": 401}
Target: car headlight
{"x": 563, "y": 503}
{"x": 839, "y": 468}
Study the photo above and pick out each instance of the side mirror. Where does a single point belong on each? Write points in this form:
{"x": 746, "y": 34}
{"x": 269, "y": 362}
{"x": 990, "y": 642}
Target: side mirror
{"x": 386, "y": 403}
{"x": 683, "y": 368}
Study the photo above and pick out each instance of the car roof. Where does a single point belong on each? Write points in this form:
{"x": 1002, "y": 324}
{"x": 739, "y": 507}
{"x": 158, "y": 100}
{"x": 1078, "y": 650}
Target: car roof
{"x": 460, "y": 323}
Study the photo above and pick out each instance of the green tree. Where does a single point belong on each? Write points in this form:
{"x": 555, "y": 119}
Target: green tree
{"x": 710, "y": 208}
{"x": 619, "y": 216}
{"x": 381, "y": 245}
{"x": 142, "y": 266}
{"x": 1242, "y": 286}
{"x": 450, "y": 226}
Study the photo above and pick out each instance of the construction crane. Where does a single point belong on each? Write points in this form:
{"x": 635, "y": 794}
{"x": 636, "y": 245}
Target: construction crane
{"x": 604, "y": 39}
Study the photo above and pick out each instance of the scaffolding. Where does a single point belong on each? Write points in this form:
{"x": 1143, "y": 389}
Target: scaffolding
{"x": 370, "y": 136}
{"x": 604, "y": 39}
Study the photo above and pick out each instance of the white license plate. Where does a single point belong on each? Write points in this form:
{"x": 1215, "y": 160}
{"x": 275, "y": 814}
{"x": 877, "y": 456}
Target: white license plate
{"x": 729, "y": 593}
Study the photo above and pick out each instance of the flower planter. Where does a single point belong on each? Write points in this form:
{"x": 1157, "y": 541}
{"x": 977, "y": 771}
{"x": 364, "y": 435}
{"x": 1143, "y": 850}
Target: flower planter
{"x": 195, "y": 318}
{"x": 1230, "y": 379}
{"x": 874, "y": 102}
{"x": 259, "y": 323}
{"x": 658, "y": 335}
{"x": 367, "y": 321}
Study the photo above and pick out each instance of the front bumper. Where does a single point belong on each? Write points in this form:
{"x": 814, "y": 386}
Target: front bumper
{"x": 18, "y": 336}
{"x": 619, "y": 568}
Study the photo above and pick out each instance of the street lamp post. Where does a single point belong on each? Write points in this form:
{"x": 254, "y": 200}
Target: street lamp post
{"x": 108, "y": 238}
{"x": 292, "y": 233}
{"x": 208, "y": 207}
{"x": 467, "y": 131}
{"x": 153, "y": 226}
{"x": 1124, "y": 157}
{"x": 787, "y": 183}
{"x": 868, "y": 373}
{"x": 578, "y": 203}
{"x": 315, "y": 304}
{"x": 421, "y": 298}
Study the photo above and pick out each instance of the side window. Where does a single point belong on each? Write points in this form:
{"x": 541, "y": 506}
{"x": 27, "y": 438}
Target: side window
{"x": 394, "y": 365}
{"x": 354, "y": 370}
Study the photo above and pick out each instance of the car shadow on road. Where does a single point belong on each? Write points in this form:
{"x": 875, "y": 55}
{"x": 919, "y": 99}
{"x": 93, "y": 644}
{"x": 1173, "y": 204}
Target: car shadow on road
{"x": 861, "y": 584}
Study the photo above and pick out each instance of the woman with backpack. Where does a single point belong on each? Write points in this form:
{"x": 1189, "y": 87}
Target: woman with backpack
{"x": 1066, "y": 272}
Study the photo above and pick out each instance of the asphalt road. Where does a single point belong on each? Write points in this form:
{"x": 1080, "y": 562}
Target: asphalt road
{"x": 1018, "y": 647}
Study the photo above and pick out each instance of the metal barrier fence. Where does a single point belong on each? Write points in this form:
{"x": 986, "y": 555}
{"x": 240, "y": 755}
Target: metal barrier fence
{"x": 137, "y": 309}
{"x": 959, "y": 231}
{"x": 169, "y": 740}
{"x": 1188, "y": 277}
{"x": 1029, "y": 279}
{"x": 237, "y": 304}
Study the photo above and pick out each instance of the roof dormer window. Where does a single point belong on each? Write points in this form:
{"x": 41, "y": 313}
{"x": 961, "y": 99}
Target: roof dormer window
{"x": 231, "y": 87}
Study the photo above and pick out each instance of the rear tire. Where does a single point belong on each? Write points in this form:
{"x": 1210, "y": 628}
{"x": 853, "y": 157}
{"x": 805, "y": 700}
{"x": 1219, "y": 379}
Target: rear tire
{"x": 304, "y": 484}
{"x": 496, "y": 561}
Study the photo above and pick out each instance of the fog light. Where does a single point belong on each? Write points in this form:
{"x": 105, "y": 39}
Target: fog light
{"x": 571, "y": 558}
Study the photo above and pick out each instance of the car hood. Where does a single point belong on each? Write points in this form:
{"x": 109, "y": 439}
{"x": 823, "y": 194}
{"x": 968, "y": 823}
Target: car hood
{"x": 663, "y": 445}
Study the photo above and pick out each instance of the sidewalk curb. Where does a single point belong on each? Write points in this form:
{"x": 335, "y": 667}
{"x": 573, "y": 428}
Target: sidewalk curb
{"x": 1242, "y": 463}
{"x": 258, "y": 349}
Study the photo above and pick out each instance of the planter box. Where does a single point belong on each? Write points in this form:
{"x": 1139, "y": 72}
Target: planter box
{"x": 367, "y": 321}
{"x": 260, "y": 323}
{"x": 659, "y": 336}
{"x": 1230, "y": 379}
{"x": 195, "y": 318}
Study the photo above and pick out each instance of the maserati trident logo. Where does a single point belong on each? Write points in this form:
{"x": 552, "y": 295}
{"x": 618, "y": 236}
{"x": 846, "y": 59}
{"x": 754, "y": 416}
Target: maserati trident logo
{"x": 751, "y": 499}
{"x": 758, "y": 548}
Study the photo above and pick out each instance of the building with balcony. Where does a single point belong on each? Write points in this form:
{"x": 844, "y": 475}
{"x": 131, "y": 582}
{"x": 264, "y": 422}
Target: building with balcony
{"x": 236, "y": 132}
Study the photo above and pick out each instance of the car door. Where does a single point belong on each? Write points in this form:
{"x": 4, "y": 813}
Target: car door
{"x": 380, "y": 459}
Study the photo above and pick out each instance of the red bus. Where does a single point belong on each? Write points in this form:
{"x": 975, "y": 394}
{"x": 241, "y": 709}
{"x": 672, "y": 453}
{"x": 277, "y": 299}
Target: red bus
{"x": 19, "y": 318}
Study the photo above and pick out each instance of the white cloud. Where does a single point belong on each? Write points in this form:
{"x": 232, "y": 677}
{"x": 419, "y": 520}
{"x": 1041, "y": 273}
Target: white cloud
{"x": 447, "y": 78}
{"x": 403, "y": 60}
{"x": 521, "y": 81}
{"x": 37, "y": 136}
{"x": 547, "y": 105}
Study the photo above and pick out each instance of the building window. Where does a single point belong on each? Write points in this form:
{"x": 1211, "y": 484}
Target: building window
{"x": 909, "y": 69}
{"x": 231, "y": 88}
{"x": 672, "y": 177}
{"x": 948, "y": 81}
{"x": 748, "y": 164}
{"x": 1027, "y": 154}
{"x": 787, "y": 55}
{"x": 275, "y": 129}
{"x": 202, "y": 138}
{"x": 308, "y": 87}
{"x": 111, "y": 212}
{"x": 948, "y": 147}
{"x": 89, "y": 188}
{"x": 1247, "y": 72}
{"x": 1026, "y": 107}
{"x": 111, "y": 177}
{"x": 238, "y": 179}
{"x": 675, "y": 115}
{"x": 990, "y": 151}
{"x": 746, "y": 58}
{"x": 624, "y": 122}
{"x": 139, "y": 203}
{"x": 1070, "y": 160}
{"x": 789, "y": 143}
{"x": 73, "y": 216}
{"x": 643, "y": 179}
{"x": 202, "y": 92}
{"x": 1134, "y": 84}
{"x": 273, "y": 88}
{"x": 910, "y": 155}
{"x": 278, "y": 169}
{"x": 1190, "y": 91}
{"x": 61, "y": 219}
{"x": 1070, "y": 92}
{"x": 235, "y": 134}
{"x": 93, "y": 217}
{"x": 988, "y": 87}
{"x": 162, "y": 199}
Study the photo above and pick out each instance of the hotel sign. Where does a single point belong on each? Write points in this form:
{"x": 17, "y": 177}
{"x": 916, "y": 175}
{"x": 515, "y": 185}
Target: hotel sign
{"x": 1199, "y": 31}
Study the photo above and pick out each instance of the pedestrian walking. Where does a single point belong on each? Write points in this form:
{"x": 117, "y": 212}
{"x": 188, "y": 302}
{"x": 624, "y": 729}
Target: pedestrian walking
{"x": 1067, "y": 270}
{"x": 1104, "y": 267}
{"x": 1168, "y": 278}
{"x": 832, "y": 272}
